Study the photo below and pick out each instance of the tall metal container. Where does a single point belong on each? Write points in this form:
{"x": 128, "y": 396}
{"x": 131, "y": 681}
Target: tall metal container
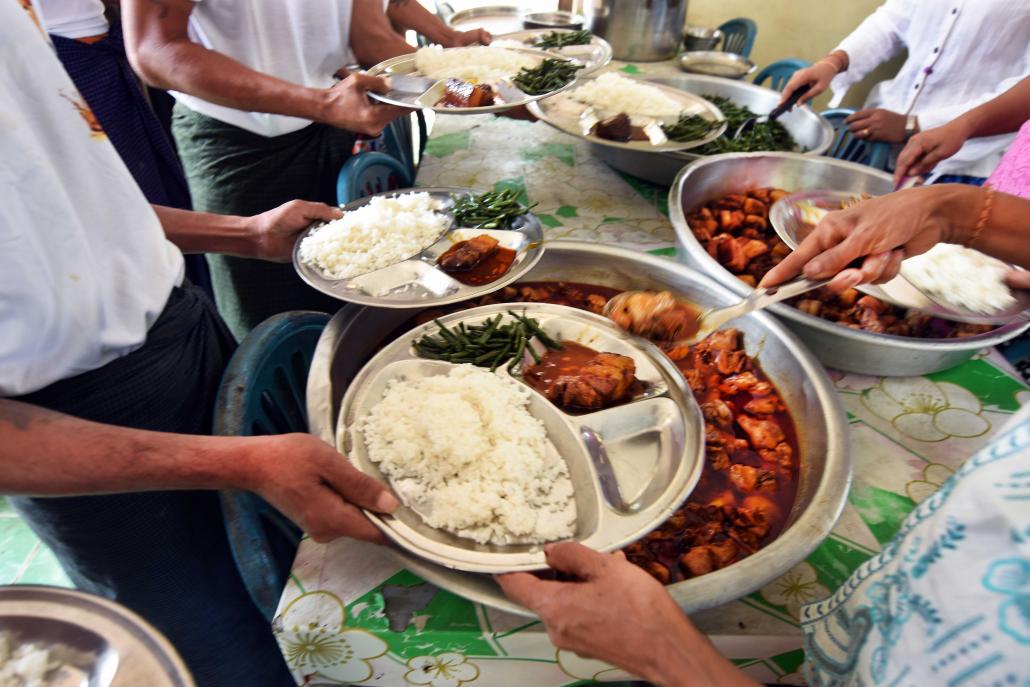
{"x": 638, "y": 30}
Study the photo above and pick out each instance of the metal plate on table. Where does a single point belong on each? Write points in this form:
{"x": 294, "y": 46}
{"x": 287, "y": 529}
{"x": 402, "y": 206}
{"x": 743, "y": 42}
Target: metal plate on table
{"x": 596, "y": 54}
{"x": 427, "y": 97}
{"x": 496, "y": 19}
{"x": 793, "y": 221}
{"x": 567, "y": 114}
{"x": 631, "y": 465}
{"x": 417, "y": 282}
{"x": 112, "y": 646}
{"x": 725, "y": 65}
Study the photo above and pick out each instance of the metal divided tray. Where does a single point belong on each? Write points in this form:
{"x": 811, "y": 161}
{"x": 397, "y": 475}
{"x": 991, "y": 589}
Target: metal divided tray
{"x": 787, "y": 219}
{"x": 421, "y": 98}
{"x": 596, "y": 54}
{"x": 566, "y": 114}
{"x": 631, "y": 465}
{"x": 417, "y": 282}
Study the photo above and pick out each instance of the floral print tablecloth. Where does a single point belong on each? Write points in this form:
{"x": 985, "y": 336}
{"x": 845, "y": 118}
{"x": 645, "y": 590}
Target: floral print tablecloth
{"x": 351, "y": 615}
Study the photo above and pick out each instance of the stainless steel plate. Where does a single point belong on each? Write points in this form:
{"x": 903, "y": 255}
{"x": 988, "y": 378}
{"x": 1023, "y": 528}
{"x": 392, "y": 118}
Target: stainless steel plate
{"x": 726, "y": 65}
{"x": 631, "y": 465}
{"x": 356, "y": 333}
{"x": 405, "y": 64}
{"x": 128, "y": 651}
{"x": 596, "y": 54}
{"x": 565, "y": 113}
{"x": 496, "y": 19}
{"x": 417, "y": 282}
{"x": 787, "y": 218}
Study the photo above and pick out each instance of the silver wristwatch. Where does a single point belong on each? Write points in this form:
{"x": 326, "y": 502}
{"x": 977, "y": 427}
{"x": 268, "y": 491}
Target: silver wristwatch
{"x": 911, "y": 125}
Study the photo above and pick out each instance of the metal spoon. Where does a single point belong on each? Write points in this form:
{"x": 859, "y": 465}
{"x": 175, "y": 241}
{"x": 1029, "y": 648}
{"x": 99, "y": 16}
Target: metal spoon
{"x": 749, "y": 123}
{"x": 715, "y": 318}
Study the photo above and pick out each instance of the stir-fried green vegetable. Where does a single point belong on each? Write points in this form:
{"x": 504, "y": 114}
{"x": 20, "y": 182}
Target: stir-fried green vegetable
{"x": 559, "y": 39}
{"x": 491, "y": 210}
{"x": 689, "y": 128}
{"x": 552, "y": 74}
{"x": 491, "y": 344}
{"x": 764, "y": 136}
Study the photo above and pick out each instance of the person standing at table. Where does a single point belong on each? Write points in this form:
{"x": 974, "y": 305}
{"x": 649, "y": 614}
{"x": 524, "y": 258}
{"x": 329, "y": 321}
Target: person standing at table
{"x": 109, "y": 366}
{"x": 92, "y": 52}
{"x": 259, "y": 119}
{"x": 961, "y": 53}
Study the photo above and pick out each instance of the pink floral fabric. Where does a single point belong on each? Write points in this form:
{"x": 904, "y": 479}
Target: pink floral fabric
{"x": 1012, "y": 175}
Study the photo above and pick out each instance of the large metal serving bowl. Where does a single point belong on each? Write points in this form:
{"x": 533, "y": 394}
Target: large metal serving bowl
{"x": 835, "y": 345}
{"x": 812, "y": 132}
{"x": 356, "y": 332}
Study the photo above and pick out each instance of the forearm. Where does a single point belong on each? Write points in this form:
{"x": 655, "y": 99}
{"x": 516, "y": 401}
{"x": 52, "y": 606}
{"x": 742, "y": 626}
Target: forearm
{"x": 372, "y": 36}
{"x": 1006, "y": 234}
{"x": 411, "y": 15}
{"x": 1001, "y": 115}
{"x": 685, "y": 658}
{"x": 204, "y": 232}
{"x": 45, "y": 453}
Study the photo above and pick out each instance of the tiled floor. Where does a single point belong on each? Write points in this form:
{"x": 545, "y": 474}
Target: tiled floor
{"x": 23, "y": 558}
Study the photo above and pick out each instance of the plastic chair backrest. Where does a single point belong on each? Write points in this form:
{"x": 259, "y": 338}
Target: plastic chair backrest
{"x": 369, "y": 173}
{"x": 405, "y": 142}
{"x": 263, "y": 391}
{"x": 846, "y": 147}
{"x": 739, "y": 36}
{"x": 780, "y": 72}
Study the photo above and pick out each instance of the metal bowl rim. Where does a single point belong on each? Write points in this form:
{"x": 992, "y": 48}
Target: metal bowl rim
{"x": 711, "y": 267}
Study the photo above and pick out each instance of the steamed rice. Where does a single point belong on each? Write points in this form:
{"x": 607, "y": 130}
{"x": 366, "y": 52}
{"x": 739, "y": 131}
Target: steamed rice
{"x": 463, "y": 451}
{"x": 615, "y": 93}
{"x": 960, "y": 276}
{"x": 477, "y": 64}
{"x": 382, "y": 233}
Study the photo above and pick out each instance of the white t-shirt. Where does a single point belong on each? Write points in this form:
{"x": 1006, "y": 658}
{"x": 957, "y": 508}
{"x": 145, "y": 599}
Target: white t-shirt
{"x": 73, "y": 18}
{"x": 301, "y": 41}
{"x": 85, "y": 268}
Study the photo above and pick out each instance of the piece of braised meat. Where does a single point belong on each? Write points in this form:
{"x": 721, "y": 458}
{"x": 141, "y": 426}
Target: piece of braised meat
{"x": 464, "y": 255}
{"x": 655, "y": 315}
{"x": 460, "y": 93}
{"x": 617, "y": 128}
{"x": 604, "y": 380}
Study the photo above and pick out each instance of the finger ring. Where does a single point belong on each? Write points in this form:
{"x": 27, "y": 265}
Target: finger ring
{"x": 865, "y": 133}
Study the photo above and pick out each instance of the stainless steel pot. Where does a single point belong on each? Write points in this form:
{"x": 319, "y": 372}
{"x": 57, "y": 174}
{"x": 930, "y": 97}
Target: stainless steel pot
{"x": 355, "y": 333}
{"x": 638, "y": 30}
{"x": 836, "y": 345}
{"x": 813, "y": 133}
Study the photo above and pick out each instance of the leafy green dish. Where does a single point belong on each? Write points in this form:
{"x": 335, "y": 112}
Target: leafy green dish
{"x": 767, "y": 136}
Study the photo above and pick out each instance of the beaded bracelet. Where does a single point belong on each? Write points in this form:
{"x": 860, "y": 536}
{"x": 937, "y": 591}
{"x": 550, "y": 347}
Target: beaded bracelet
{"x": 985, "y": 214}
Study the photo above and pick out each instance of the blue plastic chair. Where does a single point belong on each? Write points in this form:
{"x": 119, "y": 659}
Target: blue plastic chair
{"x": 846, "y": 146}
{"x": 407, "y": 142}
{"x": 739, "y": 36}
{"x": 263, "y": 392}
{"x": 370, "y": 173}
{"x": 780, "y": 72}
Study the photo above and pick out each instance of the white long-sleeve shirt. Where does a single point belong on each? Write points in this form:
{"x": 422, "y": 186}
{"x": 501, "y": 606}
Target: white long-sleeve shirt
{"x": 961, "y": 53}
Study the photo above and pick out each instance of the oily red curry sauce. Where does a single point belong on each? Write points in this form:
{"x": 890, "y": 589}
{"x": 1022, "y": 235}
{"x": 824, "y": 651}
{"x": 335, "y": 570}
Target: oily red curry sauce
{"x": 569, "y": 360}
{"x": 489, "y": 269}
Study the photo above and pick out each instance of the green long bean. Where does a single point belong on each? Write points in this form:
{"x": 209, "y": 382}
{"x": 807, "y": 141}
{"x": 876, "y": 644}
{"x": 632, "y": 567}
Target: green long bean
{"x": 560, "y": 39}
{"x": 491, "y": 210}
{"x": 550, "y": 75}
{"x": 489, "y": 344}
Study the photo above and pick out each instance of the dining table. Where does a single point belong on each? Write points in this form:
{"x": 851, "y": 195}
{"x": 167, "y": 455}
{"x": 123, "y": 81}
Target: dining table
{"x": 351, "y": 614}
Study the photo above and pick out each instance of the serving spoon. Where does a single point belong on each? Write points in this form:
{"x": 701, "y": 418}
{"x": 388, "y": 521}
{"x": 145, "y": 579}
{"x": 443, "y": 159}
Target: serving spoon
{"x": 775, "y": 114}
{"x": 715, "y": 318}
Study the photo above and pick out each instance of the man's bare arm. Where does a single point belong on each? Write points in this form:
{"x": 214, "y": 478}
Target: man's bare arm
{"x": 372, "y": 36}
{"x": 44, "y": 453}
{"x": 159, "y": 48}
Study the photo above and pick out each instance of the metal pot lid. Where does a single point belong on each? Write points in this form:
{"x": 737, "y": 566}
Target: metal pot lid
{"x": 127, "y": 650}
{"x": 631, "y": 465}
{"x": 417, "y": 282}
{"x": 596, "y": 54}
{"x": 792, "y": 217}
{"x": 429, "y": 96}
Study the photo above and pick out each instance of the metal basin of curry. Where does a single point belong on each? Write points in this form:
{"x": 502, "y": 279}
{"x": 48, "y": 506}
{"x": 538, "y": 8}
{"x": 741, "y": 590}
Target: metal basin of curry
{"x": 355, "y": 333}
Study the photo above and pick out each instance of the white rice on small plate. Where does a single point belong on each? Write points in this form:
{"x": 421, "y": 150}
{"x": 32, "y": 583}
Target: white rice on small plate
{"x": 463, "y": 451}
{"x": 384, "y": 232}
{"x": 613, "y": 93}
{"x": 477, "y": 64}
{"x": 960, "y": 277}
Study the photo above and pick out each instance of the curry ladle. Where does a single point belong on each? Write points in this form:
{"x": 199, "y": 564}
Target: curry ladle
{"x": 715, "y": 318}
{"x": 775, "y": 114}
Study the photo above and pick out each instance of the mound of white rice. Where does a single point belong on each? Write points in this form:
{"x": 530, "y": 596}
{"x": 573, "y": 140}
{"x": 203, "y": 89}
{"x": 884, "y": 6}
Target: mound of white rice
{"x": 377, "y": 235}
{"x": 612, "y": 92}
{"x": 30, "y": 664}
{"x": 477, "y": 64}
{"x": 960, "y": 276}
{"x": 463, "y": 451}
